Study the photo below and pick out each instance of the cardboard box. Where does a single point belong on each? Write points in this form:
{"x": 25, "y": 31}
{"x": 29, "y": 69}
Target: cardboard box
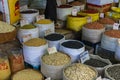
{"x": 102, "y": 8}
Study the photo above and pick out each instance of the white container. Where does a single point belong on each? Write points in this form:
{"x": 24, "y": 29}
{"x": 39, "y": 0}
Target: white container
{"x": 55, "y": 43}
{"x": 44, "y": 27}
{"x": 63, "y": 12}
{"x": 30, "y": 17}
{"x": 92, "y": 35}
{"x": 117, "y": 52}
{"x": 74, "y": 53}
{"x": 109, "y": 43}
{"x": 32, "y": 54}
{"x": 23, "y": 32}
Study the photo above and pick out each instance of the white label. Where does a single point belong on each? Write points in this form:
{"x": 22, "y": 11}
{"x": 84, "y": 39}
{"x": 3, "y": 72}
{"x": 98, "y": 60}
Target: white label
{"x": 26, "y": 37}
{"x": 99, "y": 78}
{"x": 48, "y": 78}
{"x": 102, "y": 15}
{"x": 116, "y": 26}
{"x": 52, "y": 50}
{"x": 23, "y": 7}
{"x": 39, "y": 17}
{"x": 119, "y": 41}
{"x": 24, "y": 22}
{"x": 89, "y": 19}
{"x": 58, "y": 2}
{"x": 70, "y": 0}
{"x": 74, "y": 12}
{"x": 84, "y": 56}
{"x": 47, "y": 32}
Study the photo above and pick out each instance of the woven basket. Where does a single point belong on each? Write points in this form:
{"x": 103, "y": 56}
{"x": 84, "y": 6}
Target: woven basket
{"x": 6, "y": 37}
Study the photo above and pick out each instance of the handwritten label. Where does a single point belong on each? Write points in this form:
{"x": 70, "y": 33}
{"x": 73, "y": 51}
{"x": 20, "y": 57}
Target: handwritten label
{"x": 48, "y": 78}
{"x": 39, "y": 17}
{"x": 102, "y": 15}
{"x": 27, "y": 37}
{"x": 24, "y": 22}
{"x": 74, "y": 12}
{"x": 52, "y": 50}
{"x": 89, "y": 19}
{"x": 116, "y": 26}
{"x": 3, "y": 66}
{"x": 84, "y": 56}
{"x": 99, "y": 78}
{"x": 47, "y": 32}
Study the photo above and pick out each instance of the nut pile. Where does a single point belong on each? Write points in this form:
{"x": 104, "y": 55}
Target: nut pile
{"x": 94, "y": 25}
{"x": 79, "y": 71}
{"x": 113, "y": 33}
{"x": 56, "y": 59}
{"x": 107, "y": 21}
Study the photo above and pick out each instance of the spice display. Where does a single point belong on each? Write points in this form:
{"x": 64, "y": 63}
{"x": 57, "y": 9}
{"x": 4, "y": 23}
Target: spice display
{"x": 54, "y": 37}
{"x": 114, "y": 72}
{"x": 94, "y": 25}
{"x": 28, "y": 12}
{"x": 95, "y": 63}
{"x": 4, "y": 68}
{"x": 72, "y": 44}
{"x": 80, "y": 71}
{"x": 16, "y": 60}
{"x": 113, "y": 33}
{"x": 5, "y": 27}
{"x": 27, "y": 74}
{"x": 64, "y": 6}
{"x": 35, "y": 42}
{"x": 76, "y": 3}
{"x": 56, "y": 59}
{"x": 29, "y": 26}
{"x": 44, "y": 21}
{"x": 107, "y": 21}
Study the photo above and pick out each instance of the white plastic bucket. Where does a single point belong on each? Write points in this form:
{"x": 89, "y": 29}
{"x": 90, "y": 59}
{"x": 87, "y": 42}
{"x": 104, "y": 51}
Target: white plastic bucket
{"x": 44, "y": 27}
{"x": 74, "y": 53}
{"x": 63, "y": 12}
{"x": 32, "y": 54}
{"x": 30, "y": 17}
{"x": 92, "y": 35}
{"x": 23, "y": 32}
{"x": 55, "y": 43}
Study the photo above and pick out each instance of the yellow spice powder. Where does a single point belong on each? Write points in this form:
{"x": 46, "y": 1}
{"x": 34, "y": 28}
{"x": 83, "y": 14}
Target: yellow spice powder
{"x": 44, "y": 21}
{"x": 35, "y": 42}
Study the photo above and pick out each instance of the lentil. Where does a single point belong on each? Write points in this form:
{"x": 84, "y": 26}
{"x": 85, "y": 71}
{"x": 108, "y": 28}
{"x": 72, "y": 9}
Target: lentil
{"x": 113, "y": 33}
{"x": 54, "y": 37}
{"x": 56, "y": 59}
{"x": 35, "y": 42}
{"x": 64, "y": 6}
{"x": 76, "y": 3}
{"x": 107, "y": 21}
{"x": 72, "y": 44}
{"x": 44, "y": 21}
{"x": 29, "y": 26}
{"x": 28, "y": 11}
{"x": 95, "y": 63}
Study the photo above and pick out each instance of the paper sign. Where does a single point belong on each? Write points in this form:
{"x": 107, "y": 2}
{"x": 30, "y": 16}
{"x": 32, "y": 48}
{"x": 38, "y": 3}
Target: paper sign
{"x": 84, "y": 56}
{"x": 48, "y": 78}
{"x": 74, "y": 12}
{"x": 102, "y": 15}
{"x": 23, "y": 7}
{"x": 89, "y": 19}
{"x": 39, "y": 17}
{"x": 47, "y": 32}
{"x": 52, "y": 50}
{"x": 24, "y": 22}
{"x": 27, "y": 37}
{"x": 116, "y": 26}
{"x": 99, "y": 78}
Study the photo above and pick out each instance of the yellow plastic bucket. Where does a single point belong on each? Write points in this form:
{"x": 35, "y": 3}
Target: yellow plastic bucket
{"x": 75, "y": 23}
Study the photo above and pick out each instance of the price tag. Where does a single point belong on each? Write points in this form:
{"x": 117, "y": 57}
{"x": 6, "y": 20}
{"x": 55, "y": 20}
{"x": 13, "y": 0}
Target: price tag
{"x": 102, "y": 15}
{"x": 58, "y": 2}
{"x": 39, "y": 17}
{"x": 26, "y": 37}
{"x": 24, "y": 22}
{"x": 23, "y": 7}
{"x": 74, "y": 12}
{"x": 89, "y": 19}
{"x": 99, "y": 78}
{"x": 116, "y": 26}
{"x": 48, "y": 78}
{"x": 47, "y": 32}
{"x": 84, "y": 56}
{"x": 52, "y": 50}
